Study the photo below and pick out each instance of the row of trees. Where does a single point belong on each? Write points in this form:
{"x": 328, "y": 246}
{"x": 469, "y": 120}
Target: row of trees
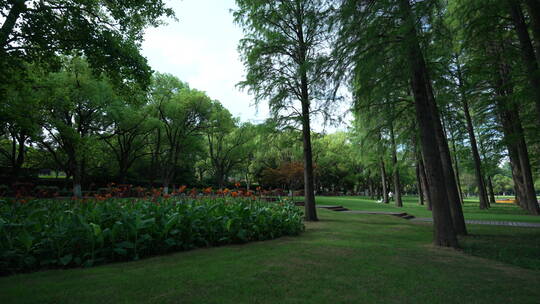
{"x": 428, "y": 78}
{"x": 442, "y": 91}
{"x": 76, "y": 122}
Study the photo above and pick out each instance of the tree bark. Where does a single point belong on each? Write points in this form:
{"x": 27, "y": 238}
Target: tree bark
{"x": 18, "y": 152}
{"x": 456, "y": 168}
{"x": 444, "y": 234}
{"x": 533, "y": 6}
{"x": 515, "y": 140}
{"x": 18, "y": 7}
{"x": 384, "y": 186}
{"x": 491, "y": 192}
{"x": 476, "y": 156}
{"x": 527, "y": 52}
{"x": 309, "y": 191}
{"x": 423, "y": 179}
{"x": 452, "y": 192}
{"x": 77, "y": 179}
{"x": 419, "y": 185}
{"x": 397, "y": 183}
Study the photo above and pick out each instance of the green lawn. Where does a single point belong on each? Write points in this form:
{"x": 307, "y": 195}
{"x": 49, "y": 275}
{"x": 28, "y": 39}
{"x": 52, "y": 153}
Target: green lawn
{"x": 344, "y": 258}
{"x": 498, "y": 212}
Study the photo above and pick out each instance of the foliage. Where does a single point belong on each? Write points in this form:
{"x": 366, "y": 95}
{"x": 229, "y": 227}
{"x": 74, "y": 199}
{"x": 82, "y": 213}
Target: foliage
{"x": 99, "y": 30}
{"x": 52, "y": 233}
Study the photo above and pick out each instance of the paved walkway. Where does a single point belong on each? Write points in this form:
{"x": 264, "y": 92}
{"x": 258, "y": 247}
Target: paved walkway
{"x": 479, "y": 222}
{"x": 406, "y": 216}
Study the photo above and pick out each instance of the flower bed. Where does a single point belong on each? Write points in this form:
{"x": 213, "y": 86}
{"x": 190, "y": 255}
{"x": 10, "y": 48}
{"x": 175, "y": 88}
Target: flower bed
{"x": 64, "y": 233}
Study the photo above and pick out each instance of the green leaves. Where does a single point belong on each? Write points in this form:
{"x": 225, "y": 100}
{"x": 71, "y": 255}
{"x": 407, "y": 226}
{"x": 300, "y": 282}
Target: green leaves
{"x": 71, "y": 233}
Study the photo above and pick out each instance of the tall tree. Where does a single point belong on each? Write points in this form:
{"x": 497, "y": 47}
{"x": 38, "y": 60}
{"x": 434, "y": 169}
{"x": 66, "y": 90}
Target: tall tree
{"x": 390, "y": 31}
{"x": 20, "y": 118}
{"x": 527, "y": 52}
{"x": 74, "y": 105}
{"x": 227, "y": 142}
{"x": 397, "y": 183}
{"x": 285, "y": 51}
{"x": 472, "y": 137}
{"x": 183, "y": 114}
{"x": 444, "y": 233}
{"x": 127, "y": 133}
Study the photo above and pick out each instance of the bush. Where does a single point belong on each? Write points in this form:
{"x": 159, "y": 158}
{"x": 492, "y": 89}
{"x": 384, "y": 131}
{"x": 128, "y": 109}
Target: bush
{"x": 64, "y": 233}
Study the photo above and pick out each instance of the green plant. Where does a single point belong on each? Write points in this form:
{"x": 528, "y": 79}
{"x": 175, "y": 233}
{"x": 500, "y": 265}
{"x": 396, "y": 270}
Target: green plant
{"x": 66, "y": 233}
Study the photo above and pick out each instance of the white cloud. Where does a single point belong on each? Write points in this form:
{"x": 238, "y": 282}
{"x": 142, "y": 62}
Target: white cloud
{"x": 201, "y": 49}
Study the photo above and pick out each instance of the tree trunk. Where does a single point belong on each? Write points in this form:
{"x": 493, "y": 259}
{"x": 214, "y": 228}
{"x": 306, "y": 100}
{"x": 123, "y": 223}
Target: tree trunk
{"x": 456, "y": 168}
{"x": 77, "y": 179}
{"x": 454, "y": 201}
{"x": 515, "y": 140}
{"x": 397, "y": 183}
{"x": 424, "y": 181}
{"x": 18, "y": 152}
{"x": 371, "y": 192}
{"x": 517, "y": 177}
{"x": 419, "y": 185}
{"x": 383, "y": 183}
{"x": 18, "y": 7}
{"x": 166, "y": 183}
{"x": 444, "y": 234}
{"x": 123, "y": 169}
{"x": 476, "y": 156}
{"x": 533, "y": 6}
{"x": 527, "y": 52}
{"x": 490, "y": 189}
{"x": 309, "y": 191}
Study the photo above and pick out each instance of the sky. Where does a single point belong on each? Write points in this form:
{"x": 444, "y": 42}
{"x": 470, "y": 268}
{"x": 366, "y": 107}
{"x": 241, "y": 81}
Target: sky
{"x": 201, "y": 49}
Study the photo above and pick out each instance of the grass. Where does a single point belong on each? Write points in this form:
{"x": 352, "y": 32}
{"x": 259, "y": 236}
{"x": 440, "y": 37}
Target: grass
{"x": 344, "y": 258}
{"x": 497, "y": 212}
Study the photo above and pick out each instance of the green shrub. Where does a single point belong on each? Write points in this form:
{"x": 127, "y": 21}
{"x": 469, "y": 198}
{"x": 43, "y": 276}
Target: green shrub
{"x": 64, "y": 233}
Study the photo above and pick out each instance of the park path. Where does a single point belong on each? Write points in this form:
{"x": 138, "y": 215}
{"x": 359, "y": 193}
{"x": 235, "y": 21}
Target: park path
{"x": 481, "y": 222}
{"x": 410, "y": 217}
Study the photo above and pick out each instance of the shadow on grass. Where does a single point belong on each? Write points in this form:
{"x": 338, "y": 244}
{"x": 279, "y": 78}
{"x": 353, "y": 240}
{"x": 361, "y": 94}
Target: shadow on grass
{"x": 519, "y": 249}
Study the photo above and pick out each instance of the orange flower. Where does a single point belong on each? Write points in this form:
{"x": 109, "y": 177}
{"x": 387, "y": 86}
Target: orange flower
{"x": 226, "y": 190}
{"x": 234, "y": 194}
{"x": 208, "y": 190}
{"x": 237, "y": 184}
{"x": 182, "y": 188}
